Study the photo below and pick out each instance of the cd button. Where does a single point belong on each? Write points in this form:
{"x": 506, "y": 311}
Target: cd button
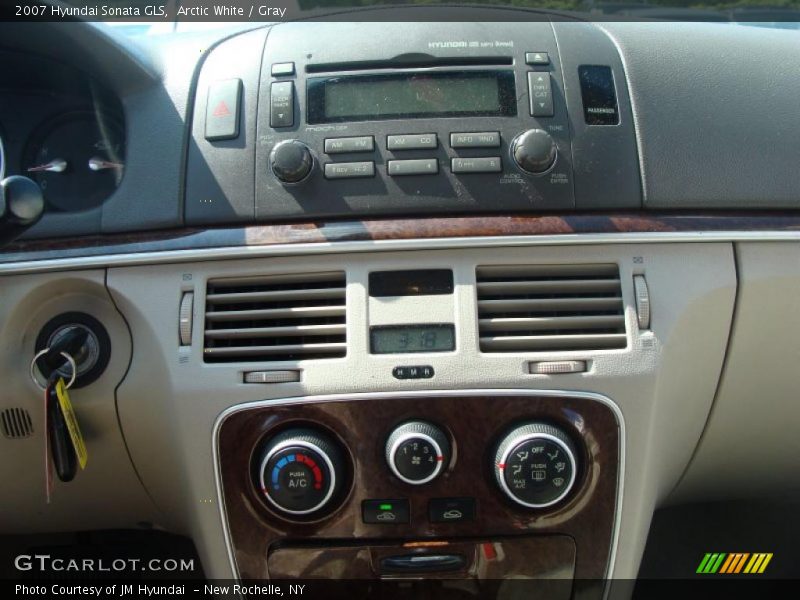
{"x": 422, "y": 141}
{"x": 349, "y": 170}
{"x": 422, "y": 166}
{"x": 485, "y": 139}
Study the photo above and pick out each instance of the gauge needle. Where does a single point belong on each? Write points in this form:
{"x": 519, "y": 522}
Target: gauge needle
{"x": 57, "y": 165}
{"x": 98, "y": 164}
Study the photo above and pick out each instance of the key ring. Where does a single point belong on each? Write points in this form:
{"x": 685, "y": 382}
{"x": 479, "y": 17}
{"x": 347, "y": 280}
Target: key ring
{"x": 70, "y": 360}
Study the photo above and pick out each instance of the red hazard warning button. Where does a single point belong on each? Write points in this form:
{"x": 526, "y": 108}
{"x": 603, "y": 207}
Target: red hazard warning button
{"x": 222, "y": 109}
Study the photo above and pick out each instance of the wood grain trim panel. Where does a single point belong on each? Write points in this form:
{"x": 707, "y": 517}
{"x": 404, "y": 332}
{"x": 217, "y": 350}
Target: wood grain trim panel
{"x": 475, "y": 423}
{"x": 398, "y": 229}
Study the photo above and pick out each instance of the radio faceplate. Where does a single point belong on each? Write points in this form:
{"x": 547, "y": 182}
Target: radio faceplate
{"x": 412, "y": 124}
{"x": 371, "y": 147}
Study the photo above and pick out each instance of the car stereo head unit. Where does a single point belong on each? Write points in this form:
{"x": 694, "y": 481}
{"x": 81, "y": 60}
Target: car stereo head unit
{"x": 361, "y": 119}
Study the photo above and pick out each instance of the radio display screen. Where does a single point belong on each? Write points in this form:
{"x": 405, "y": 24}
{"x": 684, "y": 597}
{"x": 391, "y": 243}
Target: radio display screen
{"x": 400, "y": 339}
{"x": 411, "y": 95}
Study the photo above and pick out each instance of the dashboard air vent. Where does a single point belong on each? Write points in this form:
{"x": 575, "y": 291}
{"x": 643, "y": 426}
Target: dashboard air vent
{"x": 533, "y": 308}
{"x": 275, "y": 318}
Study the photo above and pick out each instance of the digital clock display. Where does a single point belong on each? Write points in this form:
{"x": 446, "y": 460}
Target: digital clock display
{"x": 412, "y": 338}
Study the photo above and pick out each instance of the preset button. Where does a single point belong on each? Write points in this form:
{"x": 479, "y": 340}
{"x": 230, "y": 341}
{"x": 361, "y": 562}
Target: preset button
{"x": 349, "y": 170}
{"x": 422, "y": 166}
{"x": 482, "y": 164}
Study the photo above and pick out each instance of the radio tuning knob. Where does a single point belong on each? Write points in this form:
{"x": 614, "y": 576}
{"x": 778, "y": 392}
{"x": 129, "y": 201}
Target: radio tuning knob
{"x": 417, "y": 452}
{"x": 291, "y": 161}
{"x": 534, "y": 151}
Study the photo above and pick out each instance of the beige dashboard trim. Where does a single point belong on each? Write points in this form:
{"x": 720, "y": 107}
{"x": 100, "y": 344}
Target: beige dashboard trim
{"x": 415, "y": 394}
{"x": 228, "y": 253}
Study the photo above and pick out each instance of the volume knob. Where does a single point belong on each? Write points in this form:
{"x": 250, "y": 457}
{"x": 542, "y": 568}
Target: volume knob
{"x": 291, "y": 161}
{"x": 417, "y": 452}
{"x": 535, "y": 465}
{"x": 534, "y": 151}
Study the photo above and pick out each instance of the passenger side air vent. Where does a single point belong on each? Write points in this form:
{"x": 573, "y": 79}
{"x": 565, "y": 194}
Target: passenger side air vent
{"x": 533, "y": 308}
{"x": 275, "y": 318}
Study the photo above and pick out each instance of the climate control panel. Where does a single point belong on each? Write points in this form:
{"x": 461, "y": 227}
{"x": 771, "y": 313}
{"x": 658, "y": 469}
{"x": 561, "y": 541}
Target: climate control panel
{"x": 393, "y": 468}
{"x": 301, "y": 470}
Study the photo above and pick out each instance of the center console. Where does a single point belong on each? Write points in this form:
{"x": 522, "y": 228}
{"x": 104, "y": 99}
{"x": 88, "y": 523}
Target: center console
{"x": 436, "y": 483}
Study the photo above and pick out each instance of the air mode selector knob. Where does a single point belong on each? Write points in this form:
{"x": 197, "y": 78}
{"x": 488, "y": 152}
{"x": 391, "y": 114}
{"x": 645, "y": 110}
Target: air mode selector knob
{"x": 417, "y": 452}
{"x": 301, "y": 471}
{"x": 291, "y": 161}
{"x": 534, "y": 151}
{"x": 535, "y": 465}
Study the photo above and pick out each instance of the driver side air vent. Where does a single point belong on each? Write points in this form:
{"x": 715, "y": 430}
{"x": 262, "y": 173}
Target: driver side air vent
{"x": 533, "y": 308}
{"x": 275, "y": 318}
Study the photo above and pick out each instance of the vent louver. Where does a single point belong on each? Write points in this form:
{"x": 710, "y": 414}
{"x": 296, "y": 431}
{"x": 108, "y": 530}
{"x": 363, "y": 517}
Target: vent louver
{"x": 275, "y": 318}
{"x": 16, "y": 423}
{"x": 533, "y": 308}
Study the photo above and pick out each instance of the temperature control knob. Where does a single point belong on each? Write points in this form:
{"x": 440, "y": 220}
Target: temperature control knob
{"x": 534, "y": 151}
{"x": 301, "y": 471}
{"x": 535, "y": 465}
{"x": 417, "y": 452}
{"x": 291, "y": 161}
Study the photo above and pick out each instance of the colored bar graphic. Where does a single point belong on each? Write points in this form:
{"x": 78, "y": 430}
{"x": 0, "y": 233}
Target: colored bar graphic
{"x": 727, "y": 564}
{"x": 764, "y": 564}
{"x": 734, "y": 563}
{"x": 703, "y": 563}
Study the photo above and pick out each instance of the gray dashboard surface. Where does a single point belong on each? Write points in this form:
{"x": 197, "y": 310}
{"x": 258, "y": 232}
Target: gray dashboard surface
{"x": 716, "y": 113}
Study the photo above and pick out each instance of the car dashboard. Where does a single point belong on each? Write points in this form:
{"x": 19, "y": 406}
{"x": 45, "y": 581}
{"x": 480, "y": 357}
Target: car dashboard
{"x": 370, "y": 300}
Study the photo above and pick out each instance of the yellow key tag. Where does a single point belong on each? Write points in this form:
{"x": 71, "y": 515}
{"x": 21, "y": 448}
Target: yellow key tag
{"x": 72, "y": 423}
